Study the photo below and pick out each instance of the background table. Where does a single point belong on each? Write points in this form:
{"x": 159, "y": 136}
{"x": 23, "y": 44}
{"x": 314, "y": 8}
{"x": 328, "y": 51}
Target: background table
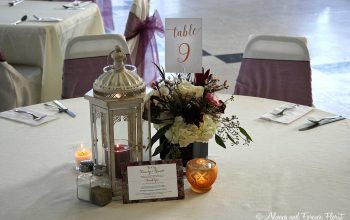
{"x": 284, "y": 171}
{"x": 43, "y": 43}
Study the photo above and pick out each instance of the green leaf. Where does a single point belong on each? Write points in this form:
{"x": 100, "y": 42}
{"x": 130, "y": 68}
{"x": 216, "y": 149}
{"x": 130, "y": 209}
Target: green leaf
{"x": 167, "y": 156}
{"x": 159, "y": 133}
{"x": 161, "y": 71}
{"x": 231, "y": 139}
{"x": 157, "y": 121}
{"x": 158, "y": 150}
{"x": 245, "y": 134}
{"x": 219, "y": 141}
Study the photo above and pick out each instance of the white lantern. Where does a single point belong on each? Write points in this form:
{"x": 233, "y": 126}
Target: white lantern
{"x": 116, "y": 108}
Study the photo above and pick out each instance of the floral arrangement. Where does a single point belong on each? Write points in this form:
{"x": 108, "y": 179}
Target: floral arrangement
{"x": 185, "y": 110}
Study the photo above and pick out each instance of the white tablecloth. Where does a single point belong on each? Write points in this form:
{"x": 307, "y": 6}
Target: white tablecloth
{"x": 43, "y": 43}
{"x": 283, "y": 172}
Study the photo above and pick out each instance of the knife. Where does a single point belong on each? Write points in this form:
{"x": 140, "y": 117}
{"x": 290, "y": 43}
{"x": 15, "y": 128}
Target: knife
{"x": 64, "y": 108}
{"x": 317, "y": 124}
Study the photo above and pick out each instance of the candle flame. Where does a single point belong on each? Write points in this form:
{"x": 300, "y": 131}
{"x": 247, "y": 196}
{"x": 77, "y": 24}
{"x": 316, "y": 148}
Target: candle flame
{"x": 82, "y": 150}
{"x": 200, "y": 161}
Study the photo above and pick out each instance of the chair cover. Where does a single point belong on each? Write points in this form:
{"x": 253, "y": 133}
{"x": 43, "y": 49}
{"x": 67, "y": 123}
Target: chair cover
{"x": 276, "y": 67}
{"x": 85, "y": 58}
{"x": 140, "y": 33}
{"x": 14, "y": 88}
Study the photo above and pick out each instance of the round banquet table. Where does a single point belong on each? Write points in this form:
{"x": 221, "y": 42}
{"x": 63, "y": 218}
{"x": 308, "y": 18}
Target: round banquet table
{"x": 284, "y": 173}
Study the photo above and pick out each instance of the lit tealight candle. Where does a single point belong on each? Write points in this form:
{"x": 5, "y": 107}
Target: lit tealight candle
{"x": 81, "y": 153}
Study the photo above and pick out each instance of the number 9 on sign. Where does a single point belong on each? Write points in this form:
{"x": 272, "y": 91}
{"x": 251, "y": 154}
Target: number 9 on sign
{"x": 184, "y": 51}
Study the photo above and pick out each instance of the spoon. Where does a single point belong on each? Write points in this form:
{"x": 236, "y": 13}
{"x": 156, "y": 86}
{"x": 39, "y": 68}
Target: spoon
{"x": 322, "y": 119}
{"x": 24, "y": 18}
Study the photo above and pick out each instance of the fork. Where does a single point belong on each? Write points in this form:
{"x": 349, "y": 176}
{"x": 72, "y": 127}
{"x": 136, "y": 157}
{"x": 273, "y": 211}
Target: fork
{"x": 280, "y": 113}
{"x": 322, "y": 119}
{"x": 35, "y": 117}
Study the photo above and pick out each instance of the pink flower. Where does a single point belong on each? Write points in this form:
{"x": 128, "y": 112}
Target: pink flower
{"x": 213, "y": 100}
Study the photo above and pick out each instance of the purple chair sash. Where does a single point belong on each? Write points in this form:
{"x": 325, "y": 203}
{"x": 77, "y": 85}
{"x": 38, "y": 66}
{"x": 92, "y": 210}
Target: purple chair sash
{"x": 79, "y": 74}
{"x": 147, "y": 51}
{"x": 275, "y": 79}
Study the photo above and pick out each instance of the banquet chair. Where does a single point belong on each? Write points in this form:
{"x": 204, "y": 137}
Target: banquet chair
{"x": 85, "y": 57}
{"x": 20, "y": 85}
{"x": 140, "y": 32}
{"x": 276, "y": 67}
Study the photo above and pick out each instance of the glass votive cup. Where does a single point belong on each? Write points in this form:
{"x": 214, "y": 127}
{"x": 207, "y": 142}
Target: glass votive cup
{"x": 201, "y": 173}
{"x": 121, "y": 155}
{"x": 81, "y": 153}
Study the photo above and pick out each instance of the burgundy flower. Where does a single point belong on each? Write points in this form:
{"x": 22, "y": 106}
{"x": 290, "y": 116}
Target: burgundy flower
{"x": 200, "y": 78}
{"x": 192, "y": 114}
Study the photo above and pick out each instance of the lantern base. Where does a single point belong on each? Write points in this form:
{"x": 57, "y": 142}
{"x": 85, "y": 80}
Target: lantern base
{"x": 118, "y": 193}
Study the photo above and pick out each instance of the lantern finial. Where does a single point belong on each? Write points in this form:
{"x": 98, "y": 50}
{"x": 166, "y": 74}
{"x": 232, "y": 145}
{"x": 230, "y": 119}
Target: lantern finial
{"x": 118, "y": 82}
{"x": 119, "y": 58}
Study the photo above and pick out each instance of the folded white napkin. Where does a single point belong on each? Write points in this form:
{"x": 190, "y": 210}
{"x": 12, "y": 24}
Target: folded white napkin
{"x": 27, "y": 118}
{"x": 289, "y": 115}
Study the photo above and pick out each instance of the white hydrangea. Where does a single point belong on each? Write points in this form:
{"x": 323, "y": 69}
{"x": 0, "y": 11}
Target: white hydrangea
{"x": 164, "y": 90}
{"x": 186, "y": 88}
{"x": 185, "y": 134}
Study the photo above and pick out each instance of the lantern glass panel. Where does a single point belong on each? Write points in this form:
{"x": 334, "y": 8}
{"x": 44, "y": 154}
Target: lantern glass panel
{"x": 120, "y": 127}
{"x": 100, "y": 154}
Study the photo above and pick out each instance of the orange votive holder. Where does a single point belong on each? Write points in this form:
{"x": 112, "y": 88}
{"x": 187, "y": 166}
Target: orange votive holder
{"x": 201, "y": 173}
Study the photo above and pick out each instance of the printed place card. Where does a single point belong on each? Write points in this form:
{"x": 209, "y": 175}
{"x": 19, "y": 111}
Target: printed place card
{"x": 183, "y": 45}
{"x": 150, "y": 182}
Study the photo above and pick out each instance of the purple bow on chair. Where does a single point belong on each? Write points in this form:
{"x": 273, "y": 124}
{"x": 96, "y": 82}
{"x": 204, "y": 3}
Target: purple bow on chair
{"x": 146, "y": 51}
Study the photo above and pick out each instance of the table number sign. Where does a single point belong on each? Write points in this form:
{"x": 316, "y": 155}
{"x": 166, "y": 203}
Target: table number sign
{"x": 183, "y": 45}
{"x": 151, "y": 182}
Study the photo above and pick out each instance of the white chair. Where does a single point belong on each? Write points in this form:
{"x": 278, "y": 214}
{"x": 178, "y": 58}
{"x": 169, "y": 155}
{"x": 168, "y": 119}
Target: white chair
{"x": 276, "y": 67}
{"x": 140, "y": 34}
{"x": 140, "y": 8}
{"x": 85, "y": 58}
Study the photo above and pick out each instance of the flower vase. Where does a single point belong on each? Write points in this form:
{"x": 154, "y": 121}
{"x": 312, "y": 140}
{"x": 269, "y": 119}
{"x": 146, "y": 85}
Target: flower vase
{"x": 191, "y": 151}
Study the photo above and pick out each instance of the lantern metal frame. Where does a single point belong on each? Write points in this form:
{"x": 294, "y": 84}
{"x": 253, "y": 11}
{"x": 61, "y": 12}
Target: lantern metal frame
{"x": 111, "y": 111}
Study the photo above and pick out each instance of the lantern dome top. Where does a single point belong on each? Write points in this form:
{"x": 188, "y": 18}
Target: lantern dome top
{"x": 118, "y": 82}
